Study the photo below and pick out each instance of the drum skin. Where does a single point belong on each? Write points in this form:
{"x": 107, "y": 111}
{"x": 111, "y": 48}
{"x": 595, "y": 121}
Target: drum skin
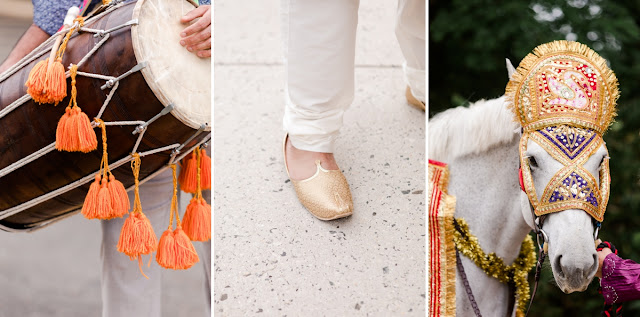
{"x": 32, "y": 127}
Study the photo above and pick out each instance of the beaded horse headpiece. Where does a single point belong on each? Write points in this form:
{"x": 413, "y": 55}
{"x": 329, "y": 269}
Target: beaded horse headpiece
{"x": 564, "y": 95}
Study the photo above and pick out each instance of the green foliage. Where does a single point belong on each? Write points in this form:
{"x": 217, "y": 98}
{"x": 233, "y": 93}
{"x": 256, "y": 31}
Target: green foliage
{"x": 468, "y": 42}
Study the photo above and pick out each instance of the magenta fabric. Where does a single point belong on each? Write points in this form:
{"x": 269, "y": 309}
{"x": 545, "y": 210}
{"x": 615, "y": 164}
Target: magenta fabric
{"x": 620, "y": 280}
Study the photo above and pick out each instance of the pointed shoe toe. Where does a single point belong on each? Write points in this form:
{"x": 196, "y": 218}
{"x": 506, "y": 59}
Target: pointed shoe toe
{"x": 326, "y": 194}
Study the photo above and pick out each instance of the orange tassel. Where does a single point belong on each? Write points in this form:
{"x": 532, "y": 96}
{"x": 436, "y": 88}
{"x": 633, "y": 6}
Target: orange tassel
{"x": 91, "y": 201}
{"x": 189, "y": 174}
{"x": 104, "y": 209}
{"x": 48, "y": 84}
{"x": 62, "y": 142}
{"x": 197, "y": 220}
{"x": 205, "y": 170}
{"x": 175, "y": 250}
{"x": 137, "y": 236}
{"x": 183, "y": 166}
{"x": 74, "y": 132}
{"x": 36, "y": 81}
{"x": 56, "y": 83}
{"x": 166, "y": 255}
{"x": 119, "y": 197}
{"x": 186, "y": 255}
{"x": 87, "y": 140}
{"x": 107, "y": 197}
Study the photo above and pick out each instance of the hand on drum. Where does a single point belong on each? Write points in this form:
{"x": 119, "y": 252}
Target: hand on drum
{"x": 197, "y": 37}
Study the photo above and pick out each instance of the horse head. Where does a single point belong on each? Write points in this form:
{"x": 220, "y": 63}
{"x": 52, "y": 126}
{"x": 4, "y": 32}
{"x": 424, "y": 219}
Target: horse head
{"x": 569, "y": 233}
{"x": 564, "y": 97}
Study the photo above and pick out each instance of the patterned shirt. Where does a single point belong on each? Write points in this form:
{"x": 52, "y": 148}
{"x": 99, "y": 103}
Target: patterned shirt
{"x": 49, "y": 14}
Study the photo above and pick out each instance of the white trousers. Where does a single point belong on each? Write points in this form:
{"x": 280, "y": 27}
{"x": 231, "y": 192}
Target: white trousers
{"x": 125, "y": 292}
{"x": 319, "y": 55}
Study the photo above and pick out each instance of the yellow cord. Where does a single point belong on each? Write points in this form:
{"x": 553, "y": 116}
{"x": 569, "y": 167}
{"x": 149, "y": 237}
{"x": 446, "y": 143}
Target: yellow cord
{"x": 135, "y": 166}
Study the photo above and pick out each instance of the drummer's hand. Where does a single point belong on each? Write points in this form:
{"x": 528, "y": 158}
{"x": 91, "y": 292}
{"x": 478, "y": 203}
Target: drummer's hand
{"x": 197, "y": 37}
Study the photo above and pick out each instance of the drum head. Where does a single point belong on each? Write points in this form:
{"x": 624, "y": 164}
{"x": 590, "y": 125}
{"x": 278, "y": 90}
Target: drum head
{"x": 175, "y": 75}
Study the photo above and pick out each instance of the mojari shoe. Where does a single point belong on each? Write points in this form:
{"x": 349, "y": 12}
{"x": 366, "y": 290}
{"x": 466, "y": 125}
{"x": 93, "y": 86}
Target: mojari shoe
{"x": 413, "y": 101}
{"x": 326, "y": 194}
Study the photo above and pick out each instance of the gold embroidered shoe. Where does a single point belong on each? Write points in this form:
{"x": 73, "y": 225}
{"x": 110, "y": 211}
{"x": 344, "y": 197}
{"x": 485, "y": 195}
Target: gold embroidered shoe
{"x": 414, "y": 101}
{"x": 326, "y": 194}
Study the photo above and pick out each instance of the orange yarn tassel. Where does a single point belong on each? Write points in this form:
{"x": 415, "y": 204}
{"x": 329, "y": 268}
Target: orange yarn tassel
{"x": 175, "y": 250}
{"x": 183, "y": 165}
{"x": 189, "y": 173}
{"x": 186, "y": 255}
{"x": 74, "y": 132}
{"x": 48, "y": 83}
{"x": 119, "y": 198}
{"x": 104, "y": 209}
{"x": 36, "y": 82}
{"x": 91, "y": 201}
{"x": 137, "y": 236}
{"x": 86, "y": 136}
{"x": 205, "y": 170}
{"x": 197, "y": 218}
{"x": 166, "y": 255}
{"x": 56, "y": 83}
{"x": 107, "y": 197}
{"x": 61, "y": 130}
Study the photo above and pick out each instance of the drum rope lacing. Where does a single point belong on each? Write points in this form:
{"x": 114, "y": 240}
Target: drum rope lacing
{"x": 112, "y": 83}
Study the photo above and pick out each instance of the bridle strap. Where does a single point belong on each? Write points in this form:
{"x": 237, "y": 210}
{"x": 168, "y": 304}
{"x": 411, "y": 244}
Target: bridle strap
{"x": 541, "y": 256}
{"x": 467, "y": 287}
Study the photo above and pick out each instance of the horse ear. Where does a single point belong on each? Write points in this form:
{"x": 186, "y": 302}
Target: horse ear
{"x": 510, "y": 69}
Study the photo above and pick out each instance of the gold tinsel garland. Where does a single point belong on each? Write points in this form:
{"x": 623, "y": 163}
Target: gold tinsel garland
{"x": 494, "y": 266}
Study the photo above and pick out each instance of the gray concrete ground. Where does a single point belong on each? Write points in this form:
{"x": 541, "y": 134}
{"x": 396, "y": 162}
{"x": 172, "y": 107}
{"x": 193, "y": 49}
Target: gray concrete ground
{"x": 56, "y": 271}
{"x": 272, "y": 257}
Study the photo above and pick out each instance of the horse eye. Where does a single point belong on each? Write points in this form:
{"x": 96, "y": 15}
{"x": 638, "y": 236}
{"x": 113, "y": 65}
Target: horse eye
{"x": 533, "y": 162}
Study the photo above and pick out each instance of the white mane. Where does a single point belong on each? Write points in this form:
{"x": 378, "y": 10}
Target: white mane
{"x": 461, "y": 131}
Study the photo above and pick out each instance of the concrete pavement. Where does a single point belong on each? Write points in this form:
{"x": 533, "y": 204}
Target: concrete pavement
{"x": 271, "y": 257}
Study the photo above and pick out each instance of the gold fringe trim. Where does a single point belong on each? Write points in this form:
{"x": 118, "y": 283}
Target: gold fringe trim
{"x": 442, "y": 266}
{"x": 556, "y": 48}
{"x": 494, "y": 266}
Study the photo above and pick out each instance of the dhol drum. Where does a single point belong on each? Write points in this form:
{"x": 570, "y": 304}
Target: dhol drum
{"x": 153, "y": 94}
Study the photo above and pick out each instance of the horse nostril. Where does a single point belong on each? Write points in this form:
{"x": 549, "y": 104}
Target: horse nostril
{"x": 594, "y": 266}
{"x": 558, "y": 266}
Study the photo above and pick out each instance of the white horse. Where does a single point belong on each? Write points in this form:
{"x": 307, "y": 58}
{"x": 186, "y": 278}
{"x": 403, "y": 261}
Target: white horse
{"x": 480, "y": 144}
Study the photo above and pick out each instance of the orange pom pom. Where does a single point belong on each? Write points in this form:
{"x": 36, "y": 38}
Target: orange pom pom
{"x": 176, "y": 251}
{"x": 62, "y": 142}
{"x": 75, "y": 133}
{"x": 183, "y": 165}
{"x": 36, "y": 81}
{"x": 119, "y": 197}
{"x": 56, "y": 83}
{"x": 104, "y": 210}
{"x": 166, "y": 255}
{"x": 197, "y": 220}
{"x": 189, "y": 175}
{"x": 186, "y": 255}
{"x": 137, "y": 236}
{"x": 87, "y": 139}
{"x": 91, "y": 201}
{"x": 205, "y": 170}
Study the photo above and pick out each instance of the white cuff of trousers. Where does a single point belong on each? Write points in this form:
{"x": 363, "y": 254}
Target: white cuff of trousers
{"x": 311, "y": 133}
{"x": 415, "y": 79}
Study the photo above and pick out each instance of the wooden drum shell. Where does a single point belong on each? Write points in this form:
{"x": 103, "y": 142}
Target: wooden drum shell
{"x": 31, "y": 127}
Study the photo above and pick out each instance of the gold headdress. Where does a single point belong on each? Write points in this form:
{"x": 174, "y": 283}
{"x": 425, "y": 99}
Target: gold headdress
{"x": 564, "y": 96}
{"x": 563, "y": 83}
